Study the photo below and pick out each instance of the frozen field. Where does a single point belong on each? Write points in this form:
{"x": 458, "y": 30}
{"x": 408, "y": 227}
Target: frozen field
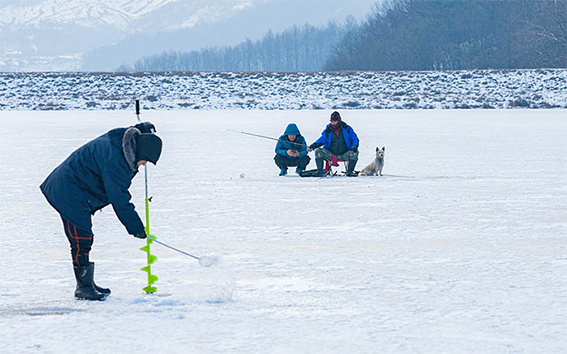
{"x": 460, "y": 248}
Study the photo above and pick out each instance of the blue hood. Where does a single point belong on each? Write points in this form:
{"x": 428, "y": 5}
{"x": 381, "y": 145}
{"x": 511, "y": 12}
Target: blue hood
{"x": 292, "y": 129}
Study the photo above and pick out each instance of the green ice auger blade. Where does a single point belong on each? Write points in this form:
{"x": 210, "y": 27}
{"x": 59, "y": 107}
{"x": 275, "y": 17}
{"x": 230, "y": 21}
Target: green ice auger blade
{"x": 150, "y": 289}
{"x": 150, "y": 258}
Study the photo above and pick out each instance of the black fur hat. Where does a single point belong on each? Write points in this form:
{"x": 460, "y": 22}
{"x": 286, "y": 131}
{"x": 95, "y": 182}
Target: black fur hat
{"x": 148, "y": 147}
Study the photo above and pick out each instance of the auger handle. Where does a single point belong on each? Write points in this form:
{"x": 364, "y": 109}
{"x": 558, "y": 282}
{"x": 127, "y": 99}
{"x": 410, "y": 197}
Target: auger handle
{"x": 152, "y": 237}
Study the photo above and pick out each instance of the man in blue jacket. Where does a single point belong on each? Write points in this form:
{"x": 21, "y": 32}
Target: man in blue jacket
{"x": 291, "y": 150}
{"x": 337, "y": 142}
{"x": 95, "y": 175}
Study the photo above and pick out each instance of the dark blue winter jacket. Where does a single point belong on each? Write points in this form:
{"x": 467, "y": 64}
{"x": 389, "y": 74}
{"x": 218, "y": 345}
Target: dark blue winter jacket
{"x": 351, "y": 139}
{"x": 93, "y": 176}
{"x": 298, "y": 144}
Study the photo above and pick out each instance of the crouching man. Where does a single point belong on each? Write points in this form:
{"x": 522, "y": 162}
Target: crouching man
{"x": 291, "y": 150}
{"x": 95, "y": 175}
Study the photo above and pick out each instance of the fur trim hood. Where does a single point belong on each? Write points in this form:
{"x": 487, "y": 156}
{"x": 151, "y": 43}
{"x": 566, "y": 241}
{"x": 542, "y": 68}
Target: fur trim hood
{"x": 129, "y": 140}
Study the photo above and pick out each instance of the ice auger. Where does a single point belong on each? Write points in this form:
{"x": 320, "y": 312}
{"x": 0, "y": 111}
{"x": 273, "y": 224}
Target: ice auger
{"x": 151, "y": 259}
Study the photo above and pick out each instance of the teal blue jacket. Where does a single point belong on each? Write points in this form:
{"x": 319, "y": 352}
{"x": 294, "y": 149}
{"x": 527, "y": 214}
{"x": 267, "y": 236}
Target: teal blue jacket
{"x": 285, "y": 144}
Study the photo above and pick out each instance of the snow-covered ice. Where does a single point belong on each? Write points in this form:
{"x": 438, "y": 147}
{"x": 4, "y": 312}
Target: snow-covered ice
{"x": 460, "y": 247}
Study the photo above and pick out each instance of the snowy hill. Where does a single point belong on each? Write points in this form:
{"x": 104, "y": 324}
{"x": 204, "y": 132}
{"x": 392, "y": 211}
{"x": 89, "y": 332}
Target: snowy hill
{"x": 121, "y": 14}
{"x": 541, "y": 88}
{"x": 44, "y": 35}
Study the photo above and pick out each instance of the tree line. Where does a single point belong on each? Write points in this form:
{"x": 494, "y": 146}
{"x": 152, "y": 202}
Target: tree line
{"x": 456, "y": 34}
{"x": 399, "y": 35}
{"x": 299, "y": 48}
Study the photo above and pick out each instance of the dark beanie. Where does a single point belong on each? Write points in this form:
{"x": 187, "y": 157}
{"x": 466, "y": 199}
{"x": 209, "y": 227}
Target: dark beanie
{"x": 335, "y": 116}
{"x": 148, "y": 147}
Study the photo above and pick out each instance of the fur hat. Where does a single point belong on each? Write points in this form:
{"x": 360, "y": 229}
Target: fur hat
{"x": 148, "y": 147}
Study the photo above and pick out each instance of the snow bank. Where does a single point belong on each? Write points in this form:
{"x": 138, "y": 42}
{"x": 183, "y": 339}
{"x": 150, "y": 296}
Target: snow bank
{"x": 538, "y": 88}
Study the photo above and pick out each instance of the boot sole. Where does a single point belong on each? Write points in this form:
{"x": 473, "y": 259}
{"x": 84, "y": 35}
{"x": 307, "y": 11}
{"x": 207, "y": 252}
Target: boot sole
{"x": 87, "y": 299}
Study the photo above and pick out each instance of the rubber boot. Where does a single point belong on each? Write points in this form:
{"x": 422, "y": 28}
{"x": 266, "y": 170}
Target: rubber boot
{"x": 85, "y": 286}
{"x": 298, "y": 170}
{"x": 283, "y": 171}
{"x": 350, "y": 168}
{"x": 320, "y": 170}
{"x": 104, "y": 291}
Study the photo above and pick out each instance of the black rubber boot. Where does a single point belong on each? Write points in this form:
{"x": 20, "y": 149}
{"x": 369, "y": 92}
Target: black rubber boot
{"x": 85, "y": 285}
{"x": 320, "y": 170}
{"x": 350, "y": 168}
{"x": 104, "y": 291}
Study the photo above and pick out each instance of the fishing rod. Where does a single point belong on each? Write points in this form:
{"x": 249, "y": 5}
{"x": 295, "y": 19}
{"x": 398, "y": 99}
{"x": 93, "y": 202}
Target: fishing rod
{"x": 265, "y": 137}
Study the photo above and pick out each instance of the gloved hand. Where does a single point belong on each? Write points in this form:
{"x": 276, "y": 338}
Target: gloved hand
{"x": 141, "y": 234}
{"x": 309, "y": 149}
{"x": 354, "y": 148}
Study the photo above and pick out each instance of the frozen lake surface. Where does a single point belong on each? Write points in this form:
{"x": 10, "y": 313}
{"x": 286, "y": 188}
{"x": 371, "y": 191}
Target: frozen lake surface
{"x": 460, "y": 247}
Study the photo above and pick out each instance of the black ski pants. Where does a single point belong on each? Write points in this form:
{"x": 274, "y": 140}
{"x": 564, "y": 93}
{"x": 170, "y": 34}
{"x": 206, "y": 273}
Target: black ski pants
{"x": 286, "y": 161}
{"x": 81, "y": 242}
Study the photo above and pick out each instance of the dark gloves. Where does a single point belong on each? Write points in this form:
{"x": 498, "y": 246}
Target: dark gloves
{"x": 313, "y": 147}
{"x": 141, "y": 234}
{"x": 354, "y": 148}
{"x": 146, "y": 127}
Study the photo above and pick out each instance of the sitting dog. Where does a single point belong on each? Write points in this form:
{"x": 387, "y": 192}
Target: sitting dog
{"x": 375, "y": 167}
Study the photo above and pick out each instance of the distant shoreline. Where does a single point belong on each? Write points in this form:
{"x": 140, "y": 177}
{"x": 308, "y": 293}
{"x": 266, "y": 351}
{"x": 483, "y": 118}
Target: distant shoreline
{"x": 462, "y": 89}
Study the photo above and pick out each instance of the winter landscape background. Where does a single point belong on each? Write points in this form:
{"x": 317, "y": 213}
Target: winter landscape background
{"x": 460, "y": 247}
{"x": 281, "y": 35}
{"x": 100, "y": 35}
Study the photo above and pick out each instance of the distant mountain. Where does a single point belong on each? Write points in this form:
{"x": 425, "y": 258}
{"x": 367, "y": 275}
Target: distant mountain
{"x": 125, "y": 15}
{"x": 100, "y": 35}
{"x": 40, "y": 35}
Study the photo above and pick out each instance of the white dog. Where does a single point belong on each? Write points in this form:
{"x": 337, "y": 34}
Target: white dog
{"x": 375, "y": 167}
